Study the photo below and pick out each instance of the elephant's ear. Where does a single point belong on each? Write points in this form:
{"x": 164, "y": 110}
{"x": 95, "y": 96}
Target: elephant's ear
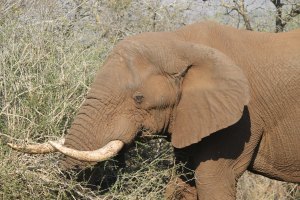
{"x": 214, "y": 93}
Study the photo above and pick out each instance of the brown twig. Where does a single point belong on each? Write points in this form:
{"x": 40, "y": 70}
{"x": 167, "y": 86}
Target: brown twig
{"x": 239, "y": 7}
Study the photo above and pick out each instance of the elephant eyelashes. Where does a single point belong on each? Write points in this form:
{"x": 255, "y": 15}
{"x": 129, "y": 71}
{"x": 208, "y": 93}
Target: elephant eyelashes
{"x": 138, "y": 97}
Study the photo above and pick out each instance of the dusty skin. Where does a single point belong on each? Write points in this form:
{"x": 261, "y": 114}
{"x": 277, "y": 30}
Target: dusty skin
{"x": 228, "y": 99}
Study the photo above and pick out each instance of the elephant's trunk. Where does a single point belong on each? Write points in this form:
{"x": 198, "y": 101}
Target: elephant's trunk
{"x": 90, "y": 139}
{"x": 100, "y": 129}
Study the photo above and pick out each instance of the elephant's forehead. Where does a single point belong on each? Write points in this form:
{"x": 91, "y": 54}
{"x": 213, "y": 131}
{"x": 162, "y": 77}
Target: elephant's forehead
{"x": 139, "y": 71}
{"x": 158, "y": 51}
{"x": 149, "y": 45}
{"x": 128, "y": 70}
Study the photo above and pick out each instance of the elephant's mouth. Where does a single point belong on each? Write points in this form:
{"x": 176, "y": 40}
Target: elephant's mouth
{"x": 146, "y": 132}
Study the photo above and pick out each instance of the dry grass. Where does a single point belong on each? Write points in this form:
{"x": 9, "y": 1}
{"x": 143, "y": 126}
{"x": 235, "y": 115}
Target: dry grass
{"x": 257, "y": 187}
{"x": 49, "y": 54}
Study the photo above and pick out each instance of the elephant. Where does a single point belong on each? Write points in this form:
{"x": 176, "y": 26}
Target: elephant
{"x": 228, "y": 100}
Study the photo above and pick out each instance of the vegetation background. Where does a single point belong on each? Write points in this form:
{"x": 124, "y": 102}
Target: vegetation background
{"x": 50, "y": 51}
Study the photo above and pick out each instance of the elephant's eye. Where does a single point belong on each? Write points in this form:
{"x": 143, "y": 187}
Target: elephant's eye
{"x": 138, "y": 97}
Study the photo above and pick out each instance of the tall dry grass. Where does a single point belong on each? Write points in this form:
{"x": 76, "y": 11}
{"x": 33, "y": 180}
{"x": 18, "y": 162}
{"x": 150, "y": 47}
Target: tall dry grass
{"x": 49, "y": 54}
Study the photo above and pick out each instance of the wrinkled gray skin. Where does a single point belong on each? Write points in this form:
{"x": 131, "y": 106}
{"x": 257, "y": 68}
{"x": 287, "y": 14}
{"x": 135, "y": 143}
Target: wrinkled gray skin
{"x": 228, "y": 98}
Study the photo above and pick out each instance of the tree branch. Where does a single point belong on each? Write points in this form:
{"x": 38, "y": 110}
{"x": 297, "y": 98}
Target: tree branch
{"x": 293, "y": 13}
{"x": 239, "y": 7}
{"x": 280, "y": 20}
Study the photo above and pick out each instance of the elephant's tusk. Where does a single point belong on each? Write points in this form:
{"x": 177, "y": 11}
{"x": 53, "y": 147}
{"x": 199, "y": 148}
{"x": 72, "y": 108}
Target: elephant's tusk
{"x": 108, "y": 151}
{"x": 36, "y": 148}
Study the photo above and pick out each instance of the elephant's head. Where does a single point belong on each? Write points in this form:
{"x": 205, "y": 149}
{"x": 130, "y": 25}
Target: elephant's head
{"x": 160, "y": 83}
